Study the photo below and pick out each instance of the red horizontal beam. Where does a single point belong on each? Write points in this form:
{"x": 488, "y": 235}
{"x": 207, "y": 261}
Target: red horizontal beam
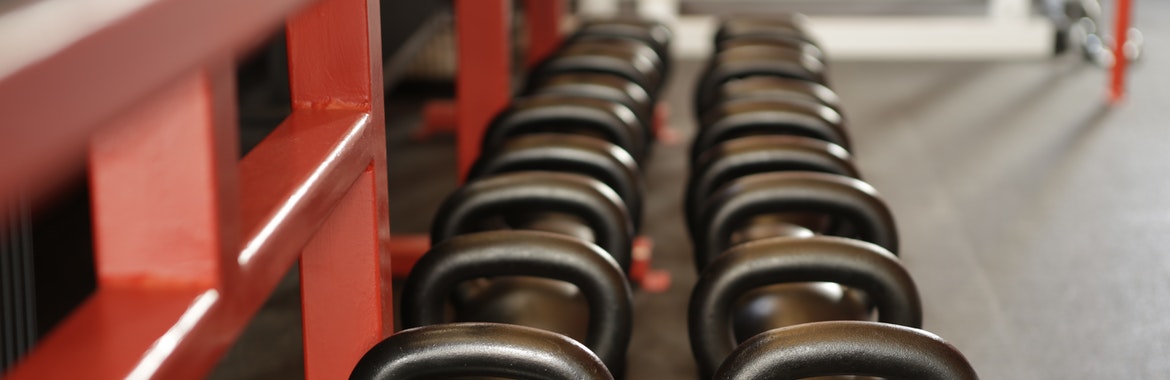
{"x": 94, "y": 60}
{"x": 124, "y": 332}
{"x": 291, "y": 182}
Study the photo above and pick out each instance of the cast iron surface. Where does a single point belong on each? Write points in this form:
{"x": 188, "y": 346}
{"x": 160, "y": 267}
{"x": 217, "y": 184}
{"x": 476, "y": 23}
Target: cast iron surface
{"x": 846, "y": 348}
{"x": 630, "y": 59}
{"x": 840, "y": 197}
{"x": 479, "y": 349}
{"x": 575, "y": 194}
{"x": 601, "y": 86}
{"x": 652, "y": 33}
{"x": 801, "y": 104}
{"x": 761, "y": 154}
{"x": 780, "y": 41}
{"x": 784, "y": 25}
{"x": 859, "y": 265}
{"x": 747, "y": 117}
{"x": 746, "y": 61}
{"x": 526, "y": 253}
{"x": 767, "y": 87}
{"x": 574, "y": 114}
{"x": 558, "y": 152}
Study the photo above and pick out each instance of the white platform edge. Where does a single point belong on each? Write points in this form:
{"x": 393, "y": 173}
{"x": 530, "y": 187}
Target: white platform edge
{"x": 901, "y": 38}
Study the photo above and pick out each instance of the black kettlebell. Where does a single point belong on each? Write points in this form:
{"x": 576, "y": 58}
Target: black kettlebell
{"x": 510, "y": 194}
{"x": 745, "y": 61}
{"x": 846, "y": 348}
{"x": 755, "y": 117}
{"x": 570, "y": 114}
{"x": 564, "y": 153}
{"x": 436, "y": 276}
{"x": 628, "y": 59}
{"x": 767, "y": 87}
{"x": 779, "y": 41}
{"x": 797, "y": 261}
{"x": 745, "y": 156}
{"x": 839, "y": 197}
{"x": 601, "y": 86}
{"x": 652, "y": 33}
{"x": 792, "y": 25}
{"x": 479, "y": 349}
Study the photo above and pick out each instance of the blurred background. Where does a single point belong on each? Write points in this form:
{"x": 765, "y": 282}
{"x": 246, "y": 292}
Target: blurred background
{"x": 1033, "y": 207}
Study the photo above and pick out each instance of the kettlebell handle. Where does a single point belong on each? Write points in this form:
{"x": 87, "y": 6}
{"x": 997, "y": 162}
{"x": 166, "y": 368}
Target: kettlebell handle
{"x": 752, "y": 265}
{"x": 479, "y": 349}
{"x": 576, "y": 194}
{"x": 834, "y": 195}
{"x": 526, "y": 253}
{"x": 846, "y": 348}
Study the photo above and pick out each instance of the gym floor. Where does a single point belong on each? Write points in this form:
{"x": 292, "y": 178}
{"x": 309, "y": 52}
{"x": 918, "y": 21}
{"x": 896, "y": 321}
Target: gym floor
{"x": 1034, "y": 219}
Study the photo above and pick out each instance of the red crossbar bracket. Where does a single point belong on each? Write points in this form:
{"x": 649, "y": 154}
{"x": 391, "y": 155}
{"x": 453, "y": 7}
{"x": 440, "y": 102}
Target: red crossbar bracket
{"x": 438, "y": 118}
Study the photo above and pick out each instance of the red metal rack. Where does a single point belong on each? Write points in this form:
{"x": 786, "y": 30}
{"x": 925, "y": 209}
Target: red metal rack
{"x": 189, "y": 241}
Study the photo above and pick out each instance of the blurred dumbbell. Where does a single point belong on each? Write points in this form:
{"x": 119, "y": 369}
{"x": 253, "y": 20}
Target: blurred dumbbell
{"x": 480, "y": 349}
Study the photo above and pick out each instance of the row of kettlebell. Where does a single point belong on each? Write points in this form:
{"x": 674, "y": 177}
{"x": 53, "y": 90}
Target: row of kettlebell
{"x": 796, "y": 254}
{"x": 534, "y": 250}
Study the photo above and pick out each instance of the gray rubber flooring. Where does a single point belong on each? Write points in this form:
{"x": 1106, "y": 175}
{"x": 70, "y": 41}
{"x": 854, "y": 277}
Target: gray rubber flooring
{"x": 1034, "y": 219}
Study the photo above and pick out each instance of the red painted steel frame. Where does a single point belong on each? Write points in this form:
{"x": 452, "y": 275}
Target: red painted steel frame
{"x": 189, "y": 242}
{"x": 1121, "y": 31}
{"x": 544, "y": 28}
{"x": 483, "y": 84}
{"x": 82, "y": 73}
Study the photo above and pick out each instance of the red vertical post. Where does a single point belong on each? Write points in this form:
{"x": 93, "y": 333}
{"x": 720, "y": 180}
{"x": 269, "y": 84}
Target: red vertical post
{"x": 483, "y": 83}
{"x": 335, "y": 62}
{"x": 544, "y": 28}
{"x": 1121, "y": 31}
{"x": 164, "y": 187}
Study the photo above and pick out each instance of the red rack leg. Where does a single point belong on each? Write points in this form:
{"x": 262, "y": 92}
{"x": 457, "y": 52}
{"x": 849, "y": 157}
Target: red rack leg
{"x": 343, "y": 314}
{"x": 335, "y": 63}
{"x": 483, "y": 85}
{"x": 544, "y": 28}
{"x": 1121, "y": 31}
